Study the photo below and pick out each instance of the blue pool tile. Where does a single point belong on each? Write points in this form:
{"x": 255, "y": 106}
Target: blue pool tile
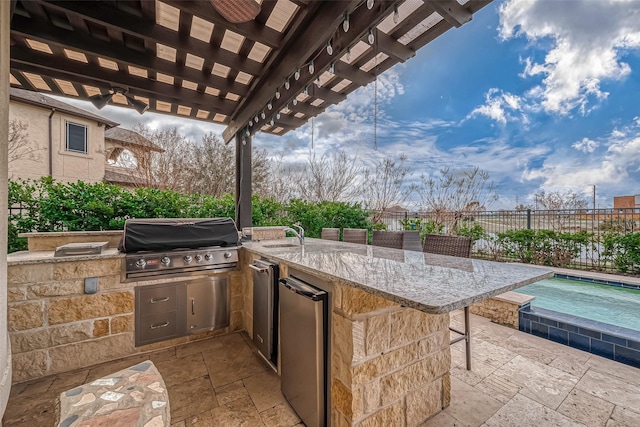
{"x": 540, "y": 329}
{"x": 591, "y": 333}
{"x": 568, "y": 327}
{"x": 531, "y": 317}
{"x": 558, "y": 335}
{"x": 633, "y": 344}
{"x": 627, "y": 356}
{"x": 549, "y": 322}
{"x": 579, "y": 341}
{"x": 613, "y": 339}
{"x": 525, "y": 325}
{"x": 602, "y": 348}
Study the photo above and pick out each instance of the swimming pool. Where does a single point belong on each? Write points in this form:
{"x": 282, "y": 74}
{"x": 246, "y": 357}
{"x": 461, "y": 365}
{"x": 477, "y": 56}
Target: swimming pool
{"x": 614, "y": 305}
{"x": 600, "y": 317}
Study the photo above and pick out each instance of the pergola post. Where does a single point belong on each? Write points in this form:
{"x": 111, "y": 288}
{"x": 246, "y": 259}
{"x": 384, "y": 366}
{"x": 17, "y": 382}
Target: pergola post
{"x": 243, "y": 180}
{"x": 5, "y": 346}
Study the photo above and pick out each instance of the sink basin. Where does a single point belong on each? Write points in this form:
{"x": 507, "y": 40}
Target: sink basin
{"x": 281, "y": 245}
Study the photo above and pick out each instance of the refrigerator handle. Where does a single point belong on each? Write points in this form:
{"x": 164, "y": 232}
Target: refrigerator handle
{"x": 259, "y": 269}
{"x": 300, "y": 288}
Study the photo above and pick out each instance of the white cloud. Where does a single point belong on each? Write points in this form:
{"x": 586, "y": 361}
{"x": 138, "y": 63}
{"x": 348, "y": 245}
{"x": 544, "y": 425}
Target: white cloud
{"x": 615, "y": 172}
{"x": 586, "y": 145}
{"x": 502, "y": 107}
{"x": 588, "y": 40}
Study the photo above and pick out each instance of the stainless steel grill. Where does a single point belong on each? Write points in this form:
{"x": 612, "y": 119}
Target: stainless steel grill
{"x": 185, "y": 262}
{"x": 178, "y": 247}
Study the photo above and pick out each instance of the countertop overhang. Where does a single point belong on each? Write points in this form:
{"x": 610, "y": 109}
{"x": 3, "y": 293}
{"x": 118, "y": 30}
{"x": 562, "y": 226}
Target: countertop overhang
{"x": 431, "y": 283}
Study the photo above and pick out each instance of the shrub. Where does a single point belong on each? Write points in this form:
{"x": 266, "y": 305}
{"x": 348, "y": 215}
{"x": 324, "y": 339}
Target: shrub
{"x": 313, "y": 217}
{"x": 545, "y": 247}
{"x": 624, "y": 251}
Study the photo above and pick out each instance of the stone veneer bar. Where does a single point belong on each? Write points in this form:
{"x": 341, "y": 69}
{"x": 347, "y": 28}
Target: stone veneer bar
{"x": 390, "y": 354}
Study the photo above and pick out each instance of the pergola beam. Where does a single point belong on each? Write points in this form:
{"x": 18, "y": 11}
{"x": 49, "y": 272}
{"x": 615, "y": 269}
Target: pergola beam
{"x": 252, "y": 30}
{"x": 53, "y": 35}
{"x": 327, "y": 18}
{"x": 452, "y": 12}
{"x": 146, "y": 30}
{"x": 392, "y": 48}
{"x": 27, "y": 60}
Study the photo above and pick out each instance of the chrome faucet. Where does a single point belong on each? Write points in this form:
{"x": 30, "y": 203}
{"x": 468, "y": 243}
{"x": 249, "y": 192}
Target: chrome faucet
{"x": 298, "y": 233}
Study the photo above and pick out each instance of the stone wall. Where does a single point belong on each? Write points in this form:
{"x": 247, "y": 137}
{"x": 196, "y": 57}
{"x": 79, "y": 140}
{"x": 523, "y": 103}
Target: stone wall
{"x": 55, "y": 327}
{"x": 502, "y": 309}
{"x": 389, "y": 364}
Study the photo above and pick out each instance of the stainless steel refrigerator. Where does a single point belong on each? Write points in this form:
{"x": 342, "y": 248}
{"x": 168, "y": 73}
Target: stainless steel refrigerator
{"x": 303, "y": 349}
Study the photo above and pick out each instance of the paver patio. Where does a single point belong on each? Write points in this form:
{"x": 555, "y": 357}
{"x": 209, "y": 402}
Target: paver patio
{"x": 517, "y": 380}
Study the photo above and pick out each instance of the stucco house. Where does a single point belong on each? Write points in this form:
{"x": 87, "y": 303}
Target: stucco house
{"x": 65, "y": 142}
{"x": 70, "y": 144}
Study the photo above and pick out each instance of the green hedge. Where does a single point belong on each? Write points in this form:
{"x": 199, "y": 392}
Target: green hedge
{"x": 544, "y": 247}
{"x": 48, "y": 205}
{"x": 623, "y": 250}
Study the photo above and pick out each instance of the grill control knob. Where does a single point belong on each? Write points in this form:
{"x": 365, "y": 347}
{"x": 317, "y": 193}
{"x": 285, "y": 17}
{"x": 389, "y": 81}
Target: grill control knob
{"x": 207, "y": 257}
{"x": 141, "y": 263}
{"x": 165, "y": 261}
{"x": 198, "y": 257}
{"x": 227, "y": 255}
{"x": 187, "y": 259}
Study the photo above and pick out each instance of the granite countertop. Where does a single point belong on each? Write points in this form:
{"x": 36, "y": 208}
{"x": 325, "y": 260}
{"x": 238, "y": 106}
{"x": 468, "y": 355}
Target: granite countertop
{"x": 37, "y": 257}
{"x": 426, "y": 282}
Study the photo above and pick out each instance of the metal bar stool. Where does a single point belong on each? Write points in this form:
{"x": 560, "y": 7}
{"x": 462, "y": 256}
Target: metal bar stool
{"x": 459, "y": 246}
{"x": 355, "y": 235}
{"x": 330, "y": 234}
{"x": 387, "y": 239}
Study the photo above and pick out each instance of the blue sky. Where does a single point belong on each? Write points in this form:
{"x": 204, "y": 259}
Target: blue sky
{"x": 542, "y": 94}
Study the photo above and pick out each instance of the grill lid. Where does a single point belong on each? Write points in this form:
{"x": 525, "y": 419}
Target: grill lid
{"x": 164, "y": 234}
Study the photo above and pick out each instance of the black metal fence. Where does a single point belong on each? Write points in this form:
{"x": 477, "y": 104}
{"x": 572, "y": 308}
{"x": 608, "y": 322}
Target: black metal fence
{"x": 571, "y": 238}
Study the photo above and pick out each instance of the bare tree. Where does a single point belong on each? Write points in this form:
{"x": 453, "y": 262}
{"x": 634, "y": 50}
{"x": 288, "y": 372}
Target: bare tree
{"x": 455, "y": 193}
{"x": 332, "y": 178}
{"x": 383, "y": 186}
{"x": 560, "y": 205}
{"x": 279, "y": 180}
{"x": 19, "y": 145}
{"x": 559, "y": 200}
{"x": 212, "y": 168}
{"x": 169, "y": 169}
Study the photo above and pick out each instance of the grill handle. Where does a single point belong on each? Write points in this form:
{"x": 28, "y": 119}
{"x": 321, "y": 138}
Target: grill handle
{"x": 159, "y": 325}
{"x": 157, "y": 300}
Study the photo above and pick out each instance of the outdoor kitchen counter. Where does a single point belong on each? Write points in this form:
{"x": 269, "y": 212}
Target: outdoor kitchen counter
{"x": 430, "y": 283}
{"x": 47, "y": 256}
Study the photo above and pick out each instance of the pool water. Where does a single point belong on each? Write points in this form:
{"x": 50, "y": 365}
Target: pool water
{"x": 603, "y": 303}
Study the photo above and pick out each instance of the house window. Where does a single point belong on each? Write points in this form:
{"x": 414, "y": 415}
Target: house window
{"x": 76, "y": 138}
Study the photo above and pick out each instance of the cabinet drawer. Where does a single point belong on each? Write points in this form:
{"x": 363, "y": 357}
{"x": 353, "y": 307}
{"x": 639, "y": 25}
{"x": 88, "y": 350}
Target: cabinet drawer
{"x": 158, "y": 327}
{"x": 158, "y": 299}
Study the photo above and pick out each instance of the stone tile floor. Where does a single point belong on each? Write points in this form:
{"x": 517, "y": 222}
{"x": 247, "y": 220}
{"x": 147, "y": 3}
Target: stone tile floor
{"x": 216, "y": 382}
{"x": 517, "y": 380}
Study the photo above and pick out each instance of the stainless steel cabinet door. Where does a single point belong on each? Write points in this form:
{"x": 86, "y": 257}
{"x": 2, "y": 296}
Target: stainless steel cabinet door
{"x": 207, "y": 304}
{"x": 263, "y": 290}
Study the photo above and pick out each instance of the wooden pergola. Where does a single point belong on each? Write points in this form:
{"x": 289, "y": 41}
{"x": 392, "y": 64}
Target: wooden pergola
{"x": 182, "y": 57}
